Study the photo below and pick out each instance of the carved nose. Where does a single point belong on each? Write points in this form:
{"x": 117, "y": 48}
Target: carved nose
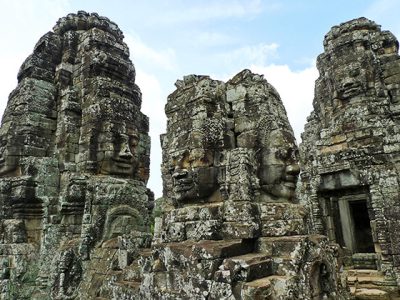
{"x": 180, "y": 173}
{"x": 293, "y": 169}
{"x": 125, "y": 153}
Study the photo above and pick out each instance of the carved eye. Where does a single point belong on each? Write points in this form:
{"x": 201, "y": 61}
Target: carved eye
{"x": 118, "y": 140}
{"x": 286, "y": 154}
{"x": 355, "y": 72}
{"x": 133, "y": 141}
{"x": 281, "y": 154}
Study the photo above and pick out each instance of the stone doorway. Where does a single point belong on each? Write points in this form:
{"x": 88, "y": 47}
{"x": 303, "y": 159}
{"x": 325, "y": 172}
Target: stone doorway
{"x": 347, "y": 220}
{"x": 362, "y": 226}
{"x": 355, "y": 224}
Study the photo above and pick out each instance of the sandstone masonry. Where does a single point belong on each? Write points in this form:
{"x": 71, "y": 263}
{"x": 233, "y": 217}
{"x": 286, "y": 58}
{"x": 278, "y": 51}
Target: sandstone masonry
{"x": 234, "y": 222}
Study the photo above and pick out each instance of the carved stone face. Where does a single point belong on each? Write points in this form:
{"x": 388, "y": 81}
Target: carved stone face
{"x": 279, "y": 165}
{"x": 118, "y": 153}
{"x": 194, "y": 175}
{"x": 350, "y": 80}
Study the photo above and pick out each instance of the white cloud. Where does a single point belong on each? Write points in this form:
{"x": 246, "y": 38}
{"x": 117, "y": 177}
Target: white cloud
{"x": 139, "y": 51}
{"x": 246, "y": 56}
{"x": 152, "y": 94}
{"x": 296, "y": 89}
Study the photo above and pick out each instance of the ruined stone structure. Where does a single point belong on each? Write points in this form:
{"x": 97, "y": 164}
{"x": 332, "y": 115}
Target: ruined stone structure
{"x": 234, "y": 221}
{"x": 350, "y": 155}
{"x": 74, "y": 162}
{"x": 230, "y": 224}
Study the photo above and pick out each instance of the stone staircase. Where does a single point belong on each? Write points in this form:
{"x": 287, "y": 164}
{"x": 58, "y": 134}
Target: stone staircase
{"x": 252, "y": 269}
{"x": 274, "y": 281}
{"x": 241, "y": 266}
{"x": 246, "y": 267}
{"x": 367, "y": 284}
{"x": 236, "y": 268}
{"x": 105, "y": 275}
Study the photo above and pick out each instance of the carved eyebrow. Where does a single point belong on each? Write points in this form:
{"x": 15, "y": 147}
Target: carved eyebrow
{"x": 133, "y": 140}
{"x": 133, "y": 135}
{"x": 281, "y": 153}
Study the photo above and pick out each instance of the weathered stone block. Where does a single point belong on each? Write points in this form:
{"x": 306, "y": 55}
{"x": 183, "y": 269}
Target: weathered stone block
{"x": 203, "y": 230}
{"x": 281, "y": 211}
{"x": 240, "y": 230}
{"x": 234, "y": 211}
{"x": 248, "y": 267}
{"x": 257, "y": 289}
{"x": 282, "y": 227}
{"x": 279, "y": 246}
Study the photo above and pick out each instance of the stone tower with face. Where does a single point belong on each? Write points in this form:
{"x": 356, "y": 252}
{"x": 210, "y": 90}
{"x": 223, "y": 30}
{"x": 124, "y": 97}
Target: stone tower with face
{"x": 208, "y": 118}
{"x": 193, "y": 145}
{"x": 261, "y": 124}
{"x": 350, "y": 149}
{"x": 75, "y": 150}
{"x": 230, "y": 168}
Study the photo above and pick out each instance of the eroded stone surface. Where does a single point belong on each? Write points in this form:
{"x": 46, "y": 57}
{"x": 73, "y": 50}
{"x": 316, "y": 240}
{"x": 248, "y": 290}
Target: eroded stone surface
{"x": 74, "y": 161}
{"x": 75, "y": 211}
{"x": 350, "y": 148}
{"x": 230, "y": 167}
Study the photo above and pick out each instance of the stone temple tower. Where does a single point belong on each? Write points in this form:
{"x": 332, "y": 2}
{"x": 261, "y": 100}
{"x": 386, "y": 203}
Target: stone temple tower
{"x": 230, "y": 225}
{"x": 351, "y": 151}
{"x": 74, "y": 161}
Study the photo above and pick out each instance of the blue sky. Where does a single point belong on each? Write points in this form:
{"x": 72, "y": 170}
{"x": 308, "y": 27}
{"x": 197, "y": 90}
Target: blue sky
{"x": 169, "y": 39}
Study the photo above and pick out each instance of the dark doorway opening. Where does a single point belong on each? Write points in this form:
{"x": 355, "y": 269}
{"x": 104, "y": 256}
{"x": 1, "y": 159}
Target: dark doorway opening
{"x": 362, "y": 228}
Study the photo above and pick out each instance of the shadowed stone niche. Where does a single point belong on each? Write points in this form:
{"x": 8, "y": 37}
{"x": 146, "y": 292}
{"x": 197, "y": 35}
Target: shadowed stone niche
{"x": 74, "y": 163}
{"x": 229, "y": 225}
{"x": 350, "y": 155}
